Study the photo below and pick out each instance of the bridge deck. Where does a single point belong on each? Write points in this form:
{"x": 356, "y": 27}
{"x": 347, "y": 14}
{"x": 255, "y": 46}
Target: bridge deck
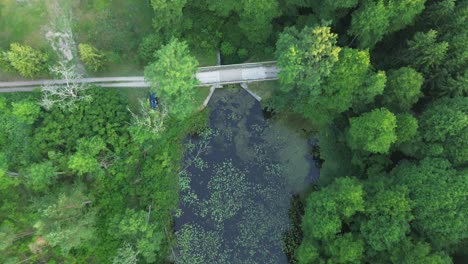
{"x": 208, "y": 76}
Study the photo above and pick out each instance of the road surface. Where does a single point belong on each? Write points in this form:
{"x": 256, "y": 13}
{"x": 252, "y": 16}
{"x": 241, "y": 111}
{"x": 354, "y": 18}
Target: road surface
{"x": 208, "y": 76}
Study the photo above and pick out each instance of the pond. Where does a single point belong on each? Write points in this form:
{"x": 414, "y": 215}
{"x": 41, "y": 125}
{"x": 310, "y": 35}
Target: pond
{"x": 238, "y": 184}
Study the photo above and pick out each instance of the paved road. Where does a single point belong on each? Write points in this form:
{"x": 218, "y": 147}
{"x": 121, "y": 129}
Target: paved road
{"x": 208, "y": 76}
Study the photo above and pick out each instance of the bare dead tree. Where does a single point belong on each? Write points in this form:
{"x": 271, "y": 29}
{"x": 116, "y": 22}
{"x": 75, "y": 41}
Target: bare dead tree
{"x": 149, "y": 119}
{"x": 66, "y": 92}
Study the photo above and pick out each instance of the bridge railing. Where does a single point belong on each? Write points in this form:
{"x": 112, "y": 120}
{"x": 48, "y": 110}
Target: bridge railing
{"x": 237, "y": 66}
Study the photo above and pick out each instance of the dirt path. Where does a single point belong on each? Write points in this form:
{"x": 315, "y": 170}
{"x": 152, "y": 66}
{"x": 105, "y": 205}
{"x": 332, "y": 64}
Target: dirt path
{"x": 59, "y": 33}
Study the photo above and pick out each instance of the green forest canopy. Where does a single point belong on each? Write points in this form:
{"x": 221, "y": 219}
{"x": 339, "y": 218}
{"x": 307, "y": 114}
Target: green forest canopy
{"x": 384, "y": 81}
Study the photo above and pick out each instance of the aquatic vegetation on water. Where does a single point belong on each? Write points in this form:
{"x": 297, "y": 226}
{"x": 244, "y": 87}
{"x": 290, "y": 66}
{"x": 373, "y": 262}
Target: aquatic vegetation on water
{"x": 237, "y": 186}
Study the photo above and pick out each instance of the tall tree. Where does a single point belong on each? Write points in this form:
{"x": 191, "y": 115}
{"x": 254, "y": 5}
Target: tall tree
{"x": 419, "y": 253}
{"x": 373, "y": 131}
{"x": 137, "y": 228}
{"x": 64, "y": 95}
{"x": 68, "y": 222}
{"x": 256, "y": 18}
{"x": 403, "y": 89}
{"x": 168, "y": 15}
{"x": 444, "y": 125}
{"x": 345, "y": 249}
{"x": 351, "y": 84}
{"x": 376, "y": 18}
{"x": 389, "y": 214}
{"x": 426, "y": 53}
{"x": 26, "y": 60}
{"x": 306, "y": 58}
{"x": 438, "y": 193}
{"x": 368, "y": 33}
{"x": 86, "y": 159}
{"x": 93, "y": 58}
{"x": 172, "y": 78}
{"x": 407, "y": 128}
{"x": 332, "y": 209}
{"x": 41, "y": 175}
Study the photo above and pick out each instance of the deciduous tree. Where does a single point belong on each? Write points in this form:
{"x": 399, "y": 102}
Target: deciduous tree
{"x": 41, "y": 175}
{"x": 93, "y": 58}
{"x": 256, "y": 18}
{"x": 172, "y": 78}
{"x": 26, "y": 60}
{"x": 168, "y": 14}
{"x": 438, "y": 193}
{"x": 403, "y": 89}
{"x": 373, "y": 131}
{"x": 389, "y": 214}
{"x": 68, "y": 222}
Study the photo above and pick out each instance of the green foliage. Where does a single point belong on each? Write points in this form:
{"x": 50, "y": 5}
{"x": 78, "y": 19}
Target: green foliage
{"x": 375, "y": 19}
{"x": 85, "y": 159}
{"x": 351, "y": 84}
{"x": 403, "y": 89}
{"x": 227, "y": 48}
{"x": 26, "y": 60}
{"x": 404, "y": 12}
{"x": 443, "y": 118}
{"x": 305, "y": 58}
{"x": 326, "y": 209}
{"x": 228, "y": 188}
{"x": 41, "y": 175}
{"x": 389, "y": 214}
{"x": 104, "y": 116}
{"x": 134, "y": 227}
{"x": 6, "y": 181}
{"x": 419, "y": 253}
{"x": 331, "y": 9}
{"x": 125, "y": 255}
{"x": 5, "y": 65}
{"x": 338, "y": 91}
{"x": 444, "y": 126}
{"x": 256, "y": 19}
{"x": 407, "y": 128}
{"x": 367, "y": 33}
{"x": 94, "y": 59}
{"x": 374, "y": 86}
{"x": 148, "y": 46}
{"x": 26, "y": 111}
{"x": 345, "y": 249}
{"x": 167, "y": 14}
{"x": 199, "y": 246}
{"x": 172, "y": 77}
{"x": 436, "y": 191}
{"x": 16, "y": 128}
{"x": 68, "y": 221}
{"x": 373, "y": 131}
{"x": 425, "y": 52}
{"x": 307, "y": 252}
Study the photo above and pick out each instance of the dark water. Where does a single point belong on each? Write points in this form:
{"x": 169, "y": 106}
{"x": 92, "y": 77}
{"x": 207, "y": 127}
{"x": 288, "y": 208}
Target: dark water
{"x": 238, "y": 185}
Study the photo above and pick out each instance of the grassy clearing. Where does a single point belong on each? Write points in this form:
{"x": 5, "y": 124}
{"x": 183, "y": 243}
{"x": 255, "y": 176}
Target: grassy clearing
{"x": 264, "y": 89}
{"x": 132, "y": 97}
{"x": 116, "y": 27}
{"x": 207, "y": 58}
{"x": 201, "y": 94}
{"x": 22, "y": 23}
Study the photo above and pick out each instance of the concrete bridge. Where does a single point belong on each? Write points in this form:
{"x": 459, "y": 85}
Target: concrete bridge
{"x": 208, "y": 76}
